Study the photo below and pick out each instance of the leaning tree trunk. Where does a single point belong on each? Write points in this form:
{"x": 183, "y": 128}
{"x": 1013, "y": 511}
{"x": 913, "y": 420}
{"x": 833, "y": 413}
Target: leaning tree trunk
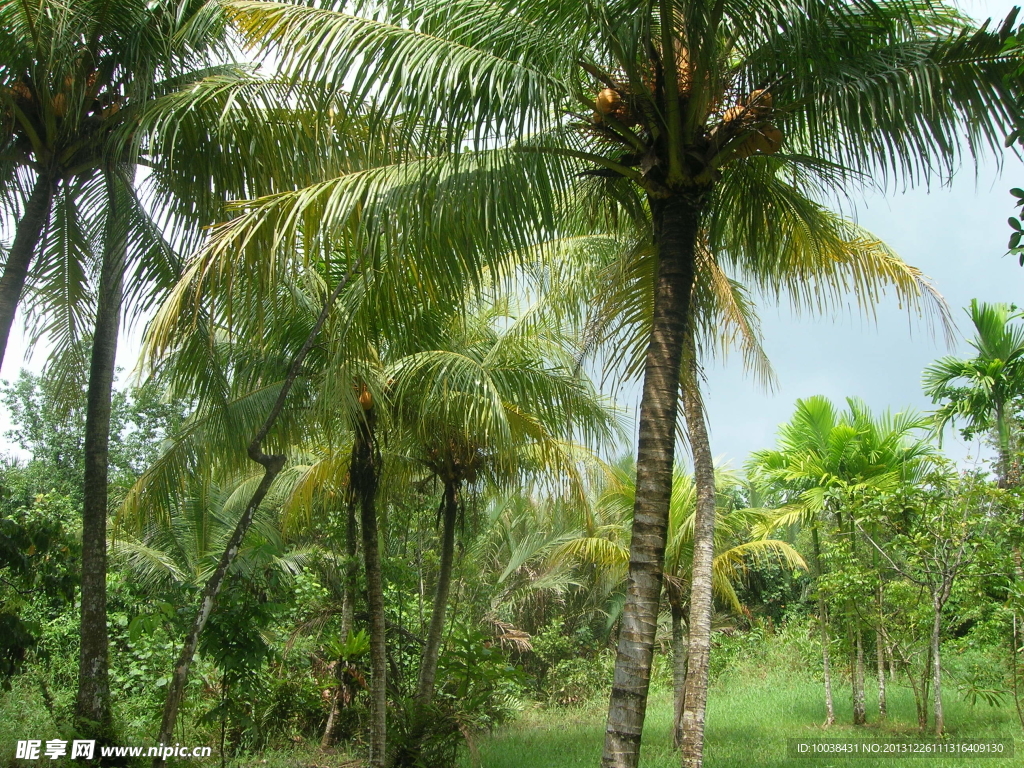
{"x": 679, "y": 648}
{"x": 26, "y": 240}
{"x": 699, "y": 645}
{"x": 272, "y": 465}
{"x": 432, "y": 649}
{"x": 409, "y": 754}
{"x": 676, "y": 226}
{"x": 92, "y": 706}
{"x": 364, "y": 476}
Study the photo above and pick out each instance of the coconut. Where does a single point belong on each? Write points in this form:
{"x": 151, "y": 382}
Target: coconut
{"x": 733, "y": 114}
{"x": 748, "y": 147}
{"x": 760, "y": 101}
{"x": 608, "y": 100}
{"x": 365, "y": 399}
{"x": 772, "y": 139}
{"x": 60, "y": 105}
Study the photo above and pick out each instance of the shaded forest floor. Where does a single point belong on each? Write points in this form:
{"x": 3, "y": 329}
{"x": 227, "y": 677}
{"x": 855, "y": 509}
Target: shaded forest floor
{"x": 750, "y": 722}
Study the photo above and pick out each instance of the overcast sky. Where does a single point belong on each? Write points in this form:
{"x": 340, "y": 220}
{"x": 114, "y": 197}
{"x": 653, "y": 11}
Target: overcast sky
{"x": 955, "y": 234}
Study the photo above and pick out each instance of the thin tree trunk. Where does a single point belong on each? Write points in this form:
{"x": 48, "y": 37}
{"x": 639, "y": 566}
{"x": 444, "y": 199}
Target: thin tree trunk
{"x": 940, "y": 723}
{"x": 92, "y": 706}
{"x": 26, "y": 239}
{"x": 347, "y": 611}
{"x": 826, "y": 660}
{"x": 409, "y": 753}
{"x": 1003, "y": 451}
{"x": 364, "y": 484}
{"x": 883, "y": 704}
{"x": 676, "y": 226}
{"x": 859, "y": 709}
{"x": 679, "y": 647}
{"x": 699, "y": 634}
{"x": 272, "y": 465}
{"x": 432, "y": 650}
{"x": 1015, "y": 668}
{"x": 1015, "y": 641}
{"x": 926, "y": 674}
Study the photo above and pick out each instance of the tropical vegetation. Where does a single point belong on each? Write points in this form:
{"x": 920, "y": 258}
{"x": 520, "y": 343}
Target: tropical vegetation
{"x": 365, "y": 494}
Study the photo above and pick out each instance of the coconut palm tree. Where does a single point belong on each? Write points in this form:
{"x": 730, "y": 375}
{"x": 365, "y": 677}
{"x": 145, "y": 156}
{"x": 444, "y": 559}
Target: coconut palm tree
{"x": 682, "y": 105}
{"x": 823, "y": 455}
{"x": 733, "y": 550}
{"x": 979, "y": 391}
{"x": 492, "y": 407}
{"x": 75, "y": 80}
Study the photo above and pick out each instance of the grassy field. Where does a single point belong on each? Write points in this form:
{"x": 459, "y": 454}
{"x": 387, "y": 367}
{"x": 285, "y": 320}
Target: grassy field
{"x": 750, "y": 720}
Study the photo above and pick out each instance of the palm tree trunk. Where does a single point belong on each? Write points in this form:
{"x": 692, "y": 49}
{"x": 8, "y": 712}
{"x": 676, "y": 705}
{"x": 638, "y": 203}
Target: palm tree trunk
{"x": 1003, "y": 443}
{"x": 679, "y": 647}
{"x": 347, "y": 614}
{"x": 92, "y": 706}
{"x": 699, "y": 645}
{"x": 432, "y": 650}
{"x": 272, "y": 465}
{"x": 409, "y": 754}
{"x": 364, "y": 485}
{"x": 676, "y": 226}
{"x": 826, "y": 661}
{"x": 859, "y": 709}
{"x": 26, "y": 240}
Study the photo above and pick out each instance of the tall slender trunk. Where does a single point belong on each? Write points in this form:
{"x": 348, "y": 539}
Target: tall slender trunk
{"x": 432, "y": 650}
{"x": 26, "y": 239}
{"x": 679, "y": 647}
{"x": 676, "y": 226}
{"x": 1003, "y": 443}
{"x": 364, "y": 473}
{"x": 92, "y": 706}
{"x": 922, "y": 704}
{"x": 883, "y": 704}
{"x": 826, "y": 660}
{"x": 347, "y": 611}
{"x": 859, "y": 709}
{"x": 936, "y": 658}
{"x": 699, "y": 635}
{"x": 409, "y": 753}
{"x": 1015, "y": 636}
{"x": 272, "y": 465}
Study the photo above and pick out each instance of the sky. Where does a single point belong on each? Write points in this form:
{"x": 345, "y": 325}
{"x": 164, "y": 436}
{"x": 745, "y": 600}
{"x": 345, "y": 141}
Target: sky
{"x": 956, "y": 234}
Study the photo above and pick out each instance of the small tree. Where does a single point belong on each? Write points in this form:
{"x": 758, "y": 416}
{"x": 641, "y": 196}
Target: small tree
{"x": 939, "y": 533}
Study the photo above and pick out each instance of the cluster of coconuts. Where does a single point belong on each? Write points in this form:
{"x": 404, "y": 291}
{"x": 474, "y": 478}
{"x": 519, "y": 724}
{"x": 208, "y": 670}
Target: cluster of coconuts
{"x": 768, "y": 138}
{"x": 28, "y": 99}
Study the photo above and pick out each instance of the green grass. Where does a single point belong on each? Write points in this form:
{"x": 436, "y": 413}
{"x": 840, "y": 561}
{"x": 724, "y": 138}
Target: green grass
{"x": 750, "y": 719}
